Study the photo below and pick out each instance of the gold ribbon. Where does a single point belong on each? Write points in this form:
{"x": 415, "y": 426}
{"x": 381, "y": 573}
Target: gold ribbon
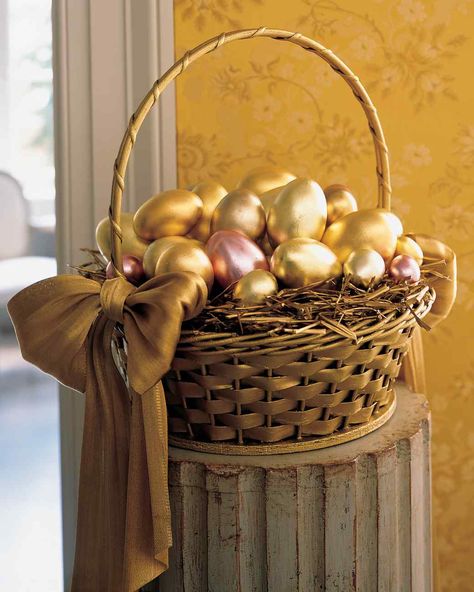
{"x": 441, "y": 260}
{"x": 64, "y": 326}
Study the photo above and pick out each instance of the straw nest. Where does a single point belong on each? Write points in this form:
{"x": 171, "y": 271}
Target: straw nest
{"x": 338, "y": 306}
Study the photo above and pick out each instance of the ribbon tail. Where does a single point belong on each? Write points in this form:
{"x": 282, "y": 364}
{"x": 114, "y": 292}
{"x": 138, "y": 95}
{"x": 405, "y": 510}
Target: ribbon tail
{"x": 102, "y": 504}
{"x": 413, "y": 365}
{"x": 148, "y": 523}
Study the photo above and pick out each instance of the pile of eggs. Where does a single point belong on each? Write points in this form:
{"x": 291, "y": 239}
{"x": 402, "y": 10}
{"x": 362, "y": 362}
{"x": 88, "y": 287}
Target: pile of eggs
{"x": 273, "y": 231}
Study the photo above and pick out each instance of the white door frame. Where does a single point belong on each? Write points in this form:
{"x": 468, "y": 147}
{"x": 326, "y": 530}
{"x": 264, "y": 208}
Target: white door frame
{"x": 106, "y": 55}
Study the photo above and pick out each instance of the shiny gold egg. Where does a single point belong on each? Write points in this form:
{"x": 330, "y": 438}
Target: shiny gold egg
{"x": 407, "y": 246}
{"x": 131, "y": 243}
{"x": 158, "y": 247}
{"x": 186, "y": 257}
{"x": 169, "y": 213}
{"x": 265, "y": 178}
{"x": 211, "y": 194}
{"x": 340, "y": 202}
{"x": 269, "y": 197}
{"x": 254, "y": 287}
{"x": 365, "y": 229}
{"x": 302, "y": 261}
{"x": 394, "y": 221}
{"x": 364, "y": 267}
{"x": 242, "y": 211}
{"x": 299, "y": 211}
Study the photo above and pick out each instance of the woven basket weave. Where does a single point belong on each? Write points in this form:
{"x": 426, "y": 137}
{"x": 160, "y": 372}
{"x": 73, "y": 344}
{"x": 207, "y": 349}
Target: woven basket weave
{"x": 265, "y": 393}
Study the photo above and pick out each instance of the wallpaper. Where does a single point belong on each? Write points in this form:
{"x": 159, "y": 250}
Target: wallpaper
{"x": 262, "y": 101}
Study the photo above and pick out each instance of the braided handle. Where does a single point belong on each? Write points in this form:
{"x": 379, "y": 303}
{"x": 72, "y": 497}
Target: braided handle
{"x": 120, "y": 167}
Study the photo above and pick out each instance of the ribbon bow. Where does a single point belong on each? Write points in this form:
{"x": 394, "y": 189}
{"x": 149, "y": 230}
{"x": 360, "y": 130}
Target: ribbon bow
{"x": 64, "y": 326}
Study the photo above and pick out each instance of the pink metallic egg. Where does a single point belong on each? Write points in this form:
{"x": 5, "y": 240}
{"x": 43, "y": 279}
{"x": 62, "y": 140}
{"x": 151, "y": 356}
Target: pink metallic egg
{"x": 233, "y": 255}
{"x": 132, "y": 269}
{"x": 404, "y": 268}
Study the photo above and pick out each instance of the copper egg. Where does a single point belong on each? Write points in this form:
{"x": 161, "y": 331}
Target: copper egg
{"x": 233, "y": 255}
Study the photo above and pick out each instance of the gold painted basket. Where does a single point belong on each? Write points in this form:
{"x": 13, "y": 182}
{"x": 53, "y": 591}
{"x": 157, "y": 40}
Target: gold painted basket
{"x": 266, "y": 393}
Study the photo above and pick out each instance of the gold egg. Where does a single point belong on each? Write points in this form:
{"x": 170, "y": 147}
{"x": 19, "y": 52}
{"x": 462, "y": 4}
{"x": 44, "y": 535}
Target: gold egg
{"x": 269, "y": 197}
{"x": 131, "y": 243}
{"x": 242, "y": 211}
{"x": 365, "y": 229}
{"x": 158, "y": 247}
{"x": 302, "y": 261}
{"x": 254, "y": 287}
{"x": 364, "y": 267}
{"x": 407, "y": 246}
{"x": 211, "y": 194}
{"x": 265, "y": 178}
{"x": 169, "y": 213}
{"x": 299, "y": 211}
{"x": 340, "y": 202}
{"x": 186, "y": 257}
{"x": 394, "y": 221}
{"x": 265, "y": 245}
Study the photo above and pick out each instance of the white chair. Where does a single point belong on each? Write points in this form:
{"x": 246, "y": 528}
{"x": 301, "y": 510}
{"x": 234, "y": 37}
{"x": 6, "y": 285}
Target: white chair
{"x": 18, "y": 268}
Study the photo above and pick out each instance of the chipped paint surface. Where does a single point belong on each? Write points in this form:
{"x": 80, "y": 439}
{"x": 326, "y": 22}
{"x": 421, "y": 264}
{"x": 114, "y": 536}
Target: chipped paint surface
{"x": 354, "y": 518}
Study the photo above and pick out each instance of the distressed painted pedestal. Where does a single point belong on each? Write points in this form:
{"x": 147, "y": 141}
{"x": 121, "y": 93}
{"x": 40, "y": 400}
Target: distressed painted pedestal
{"x": 355, "y": 517}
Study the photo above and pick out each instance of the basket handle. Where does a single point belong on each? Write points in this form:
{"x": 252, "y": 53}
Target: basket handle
{"x": 120, "y": 167}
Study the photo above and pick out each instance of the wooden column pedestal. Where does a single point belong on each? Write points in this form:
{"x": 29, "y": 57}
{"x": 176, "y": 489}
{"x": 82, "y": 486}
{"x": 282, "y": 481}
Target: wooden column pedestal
{"x": 354, "y": 517}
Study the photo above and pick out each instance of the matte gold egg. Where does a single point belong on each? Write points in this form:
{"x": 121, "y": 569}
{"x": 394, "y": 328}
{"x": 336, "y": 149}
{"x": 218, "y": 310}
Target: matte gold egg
{"x": 407, "y": 246}
{"x": 303, "y": 261}
{"x": 265, "y": 178}
{"x": 158, "y": 247}
{"x": 364, "y": 267}
{"x": 299, "y": 211}
{"x": 131, "y": 243}
{"x": 254, "y": 287}
{"x": 211, "y": 194}
{"x": 241, "y": 211}
{"x": 340, "y": 202}
{"x": 186, "y": 257}
{"x": 169, "y": 213}
{"x": 365, "y": 229}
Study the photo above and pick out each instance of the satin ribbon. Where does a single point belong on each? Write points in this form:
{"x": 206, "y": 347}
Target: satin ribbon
{"x": 441, "y": 260}
{"x": 64, "y": 326}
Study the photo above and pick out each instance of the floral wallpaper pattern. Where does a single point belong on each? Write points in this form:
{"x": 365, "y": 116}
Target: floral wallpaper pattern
{"x": 259, "y": 101}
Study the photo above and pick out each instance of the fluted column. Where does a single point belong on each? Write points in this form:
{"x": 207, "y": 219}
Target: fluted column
{"x": 355, "y": 517}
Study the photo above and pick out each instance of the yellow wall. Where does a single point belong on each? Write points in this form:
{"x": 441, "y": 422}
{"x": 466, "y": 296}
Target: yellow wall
{"x": 261, "y": 101}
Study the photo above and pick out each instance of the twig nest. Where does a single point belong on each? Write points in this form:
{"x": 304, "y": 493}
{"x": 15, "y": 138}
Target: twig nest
{"x": 375, "y": 229}
{"x": 299, "y": 211}
{"x": 302, "y": 261}
{"x": 340, "y": 202}
{"x": 169, "y": 213}
{"x": 255, "y": 287}
{"x": 265, "y": 178}
{"x": 242, "y": 211}
{"x": 364, "y": 268}
{"x": 131, "y": 243}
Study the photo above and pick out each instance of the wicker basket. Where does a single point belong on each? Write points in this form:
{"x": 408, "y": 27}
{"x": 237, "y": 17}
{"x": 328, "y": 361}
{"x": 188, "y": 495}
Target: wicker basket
{"x": 265, "y": 393}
